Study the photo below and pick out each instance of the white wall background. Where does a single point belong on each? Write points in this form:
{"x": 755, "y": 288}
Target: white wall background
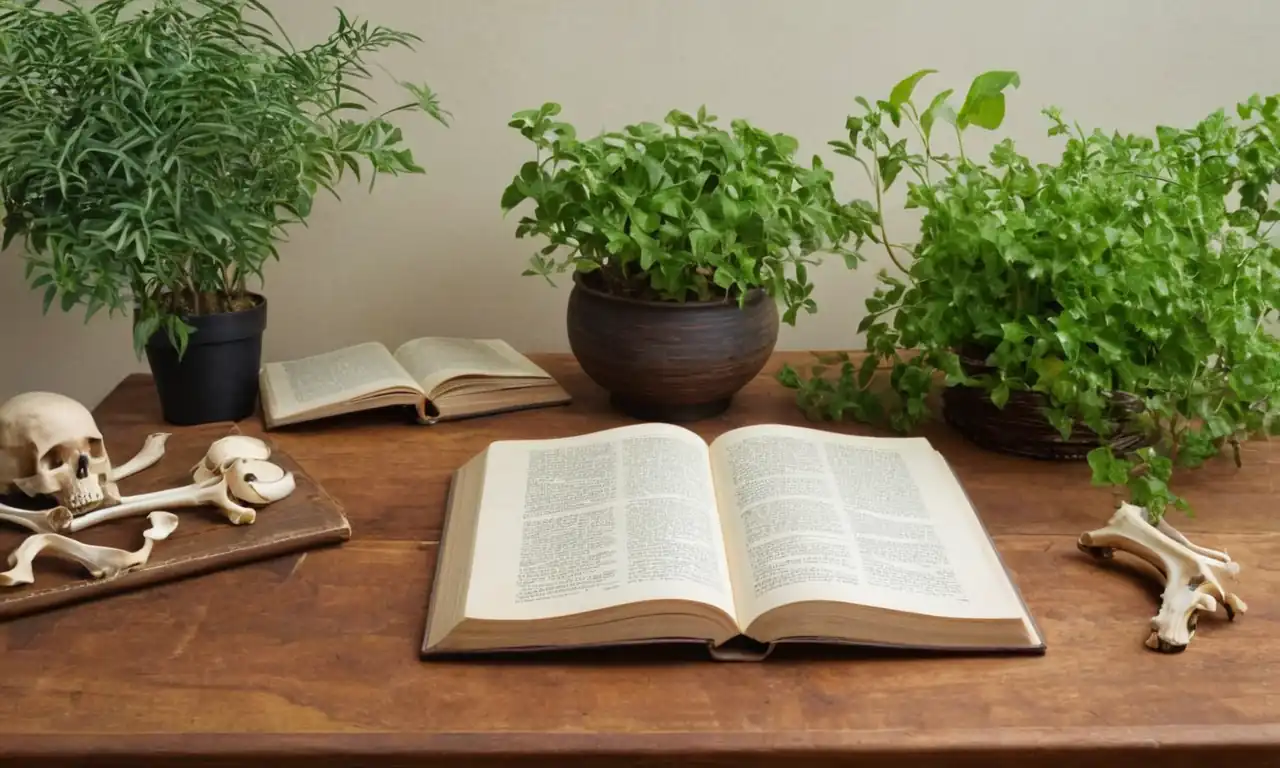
{"x": 433, "y": 254}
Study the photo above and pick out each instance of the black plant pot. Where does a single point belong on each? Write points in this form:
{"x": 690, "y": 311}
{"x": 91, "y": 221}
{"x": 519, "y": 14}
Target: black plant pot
{"x": 217, "y": 377}
{"x": 667, "y": 361}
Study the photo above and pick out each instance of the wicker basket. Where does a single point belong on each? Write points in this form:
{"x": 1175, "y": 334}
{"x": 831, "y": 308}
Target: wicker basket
{"x": 1021, "y": 429}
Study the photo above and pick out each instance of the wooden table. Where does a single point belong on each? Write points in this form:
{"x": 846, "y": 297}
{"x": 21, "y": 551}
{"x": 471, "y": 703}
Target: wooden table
{"x": 312, "y": 659}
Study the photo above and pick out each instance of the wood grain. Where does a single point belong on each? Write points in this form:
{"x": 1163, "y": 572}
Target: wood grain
{"x": 312, "y": 659}
{"x": 670, "y": 361}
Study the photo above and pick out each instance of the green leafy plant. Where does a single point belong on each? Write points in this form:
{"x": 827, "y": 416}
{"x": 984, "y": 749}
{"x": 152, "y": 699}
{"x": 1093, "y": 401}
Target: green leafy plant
{"x": 684, "y": 211}
{"x": 1134, "y": 265}
{"x": 152, "y": 153}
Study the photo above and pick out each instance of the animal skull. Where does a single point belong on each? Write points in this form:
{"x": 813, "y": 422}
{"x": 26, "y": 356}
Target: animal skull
{"x": 50, "y": 445}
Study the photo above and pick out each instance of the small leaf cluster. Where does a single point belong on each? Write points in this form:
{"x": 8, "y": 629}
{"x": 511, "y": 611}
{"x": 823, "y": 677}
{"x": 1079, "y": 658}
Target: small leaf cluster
{"x": 1133, "y": 265}
{"x": 153, "y": 152}
{"x": 884, "y": 159}
{"x": 682, "y": 211}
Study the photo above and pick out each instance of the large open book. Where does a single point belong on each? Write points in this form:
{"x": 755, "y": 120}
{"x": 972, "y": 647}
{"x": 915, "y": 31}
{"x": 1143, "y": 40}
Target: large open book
{"x": 443, "y": 378}
{"x": 770, "y": 534}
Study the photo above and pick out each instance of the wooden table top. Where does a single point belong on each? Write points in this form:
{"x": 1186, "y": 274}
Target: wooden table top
{"x": 312, "y": 659}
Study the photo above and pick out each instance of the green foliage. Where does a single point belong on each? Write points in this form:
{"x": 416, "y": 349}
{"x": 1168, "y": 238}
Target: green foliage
{"x": 681, "y": 211}
{"x": 1134, "y": 265}
{"x": 152, "y": 153}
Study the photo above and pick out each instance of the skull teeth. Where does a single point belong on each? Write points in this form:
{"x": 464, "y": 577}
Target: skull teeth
{"x": 83, "y": 497}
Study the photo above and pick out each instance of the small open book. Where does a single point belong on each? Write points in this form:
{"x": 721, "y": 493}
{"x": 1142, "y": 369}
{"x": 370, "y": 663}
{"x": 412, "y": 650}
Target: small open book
{"x": 771, "y": 534}
{"x": 443, "y": 378}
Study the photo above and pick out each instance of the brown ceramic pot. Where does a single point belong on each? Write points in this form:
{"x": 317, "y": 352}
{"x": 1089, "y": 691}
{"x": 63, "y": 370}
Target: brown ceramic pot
{"x": 670, "y": 361}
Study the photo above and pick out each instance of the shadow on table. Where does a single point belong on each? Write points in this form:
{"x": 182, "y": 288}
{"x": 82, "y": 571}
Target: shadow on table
{"x": 676, "y": 653}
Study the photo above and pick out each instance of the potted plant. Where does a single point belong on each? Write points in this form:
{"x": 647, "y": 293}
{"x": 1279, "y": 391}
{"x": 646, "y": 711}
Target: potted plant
{"x": 152, "y": 154}
{"x": 682, "y": 239}
{"x": 1110, "y": 306}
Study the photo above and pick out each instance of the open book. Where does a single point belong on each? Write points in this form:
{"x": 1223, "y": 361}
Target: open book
{"x": 443, "y": 378}
{"x": 770, "y": 534}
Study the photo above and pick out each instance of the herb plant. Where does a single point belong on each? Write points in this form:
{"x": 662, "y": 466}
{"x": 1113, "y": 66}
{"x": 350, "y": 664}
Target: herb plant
{"x": 683, "y": 211}
{"x": 1134, "y": 265}
{"x": 152, "y": 153}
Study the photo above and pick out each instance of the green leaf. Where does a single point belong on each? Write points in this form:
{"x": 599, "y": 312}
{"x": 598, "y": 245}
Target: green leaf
{"x": 512, "y": 197}
{"x": 150, "y": 153}
{"x": 867, "y": 370}
{"x": 984, "y": 104}
{"x": 1101, "y": 462}
{"x": 939, "y": 109}
{"x": 901, "y": 92}
{"x": 1000, "y": 395}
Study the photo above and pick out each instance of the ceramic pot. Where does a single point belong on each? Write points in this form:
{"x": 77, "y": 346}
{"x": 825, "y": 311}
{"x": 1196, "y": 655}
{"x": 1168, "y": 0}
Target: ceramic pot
{"x": 670, "y": 361}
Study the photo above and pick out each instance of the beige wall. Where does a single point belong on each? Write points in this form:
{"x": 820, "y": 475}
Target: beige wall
{"x": 433, "y": 255}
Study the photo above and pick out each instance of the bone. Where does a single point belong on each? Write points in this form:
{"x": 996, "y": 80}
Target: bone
{"x": 227, "y": 450}
{"x": 101, "y": 562}
{"x": 1193, "y": 575}
{"x": 1173, "y": 533}
{"x": 51, "y": 446}
{"x": 152, "y": 451}
{"x": 214, "y": 492}
{"x": 259, "y": 482}
{"x": 56, "y": 520}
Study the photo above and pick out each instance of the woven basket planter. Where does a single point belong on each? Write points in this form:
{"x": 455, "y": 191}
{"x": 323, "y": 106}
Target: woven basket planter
{"x": 1021, "y": 429}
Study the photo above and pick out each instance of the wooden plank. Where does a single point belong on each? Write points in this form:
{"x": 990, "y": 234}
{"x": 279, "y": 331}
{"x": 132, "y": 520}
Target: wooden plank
{"x": 311, "y": 659}
{"x": 326, "y": 642}
{"x": 204, "y": 540}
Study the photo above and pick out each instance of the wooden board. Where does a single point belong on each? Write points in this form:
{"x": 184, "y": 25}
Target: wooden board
{"x": 311, "y": 660}
{"x": 204, "y": 540}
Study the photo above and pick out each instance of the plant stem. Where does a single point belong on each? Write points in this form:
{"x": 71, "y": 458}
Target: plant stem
{"x": 884, "y": 233}
{"x": 914, "y": 119}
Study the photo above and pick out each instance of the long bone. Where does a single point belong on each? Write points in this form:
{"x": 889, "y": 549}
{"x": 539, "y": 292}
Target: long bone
{"x": 151, "y": 452}
{"x": 101, "y": 562}
{"x": 213, "y": 492}
{"x": 242, "y": 480}
{"x": 233, "y": 470}
{"x": 55, "y": 520}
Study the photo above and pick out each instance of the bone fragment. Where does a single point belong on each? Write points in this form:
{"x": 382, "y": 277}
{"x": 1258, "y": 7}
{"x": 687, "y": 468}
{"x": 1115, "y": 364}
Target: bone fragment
{"x": 101, "y": 562}
{"x": 55, "y": 520}
{"x": 223, "y": 452}
{"x": 1193, "y": 575}
{"x": 1173, "y": 533}
{"x": 258, "y": 482}
{"x": 152, "y": 451}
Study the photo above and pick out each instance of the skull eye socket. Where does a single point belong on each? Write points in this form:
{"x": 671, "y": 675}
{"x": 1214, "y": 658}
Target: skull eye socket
{"x": 51, "y": 461}
{"x": 96, "y": 448}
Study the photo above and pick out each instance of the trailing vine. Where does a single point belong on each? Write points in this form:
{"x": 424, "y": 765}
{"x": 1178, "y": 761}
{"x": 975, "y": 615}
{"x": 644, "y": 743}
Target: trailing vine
{"x": 1134, "y": 265}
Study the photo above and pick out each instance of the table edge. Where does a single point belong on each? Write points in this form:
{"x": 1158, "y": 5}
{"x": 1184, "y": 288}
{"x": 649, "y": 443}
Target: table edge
{"x": 1215, "y": 738}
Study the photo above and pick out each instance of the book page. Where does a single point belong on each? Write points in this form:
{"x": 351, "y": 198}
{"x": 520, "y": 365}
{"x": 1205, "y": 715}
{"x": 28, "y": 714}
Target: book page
{"x": 334, "y": 377}
{"x": 581, "y": 523}
{"x": 431, "y": 361}
{"x": 813, "y": 515}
